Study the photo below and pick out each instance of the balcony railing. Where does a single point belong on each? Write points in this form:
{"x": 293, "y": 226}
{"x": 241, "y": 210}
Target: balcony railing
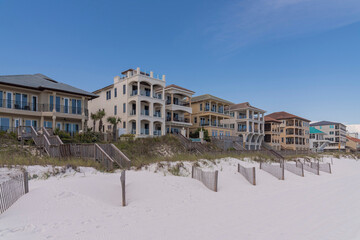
{"x": 157, "y": 132}
{"x": 42, "y": 107}
{"x": 145, "y": 93}
{"x": 178, "y": 119}
{"x": 157, "y": 114}
{"x": 179, "y": 103}
{"x": 144, "y": 131}
{"x": 157, "y": 95}
{"x": 133, "y": 131}
{"x": 145, "y": 112}
{"x": 132, "y": 112}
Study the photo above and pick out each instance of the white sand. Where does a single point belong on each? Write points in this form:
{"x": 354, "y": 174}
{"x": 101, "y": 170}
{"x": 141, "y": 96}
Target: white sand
{"x": 88, "y": 206}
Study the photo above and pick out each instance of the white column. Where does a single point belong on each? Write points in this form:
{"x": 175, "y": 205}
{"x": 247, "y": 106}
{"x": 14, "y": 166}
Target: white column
{"x": 138, "y": 93}
{"x": 247, "y": 113}
{"x": 252, "y": 127}
{"x": 151, "y": 128}
{"x": 163, "y": 128}
{"x": 151, "y": 90}
{"x": 138, "y": 117}
{"x": 163, "y": 94}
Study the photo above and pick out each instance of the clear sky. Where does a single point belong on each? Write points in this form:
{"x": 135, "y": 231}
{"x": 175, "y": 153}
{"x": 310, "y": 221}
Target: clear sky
{"x": 300, "y": 56}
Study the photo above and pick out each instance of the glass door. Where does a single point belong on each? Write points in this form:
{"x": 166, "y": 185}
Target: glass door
{"x": 34, "y": 103}
{"x": 66, "y": 105}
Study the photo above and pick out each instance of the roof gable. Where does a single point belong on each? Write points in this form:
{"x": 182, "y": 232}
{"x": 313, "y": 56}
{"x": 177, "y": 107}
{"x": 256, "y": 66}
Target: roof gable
{"x": 209, "y": 97}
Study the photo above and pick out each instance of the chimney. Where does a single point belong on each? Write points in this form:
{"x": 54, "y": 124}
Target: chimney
{"x": 138, "y": 70}
{"x": 163, "y": 77}
{"x": 151, "y": 74}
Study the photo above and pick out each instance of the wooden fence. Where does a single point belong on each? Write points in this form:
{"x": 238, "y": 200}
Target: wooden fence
{"x": 324, "y": 167}
{"x": 123, "y": 192}
{"x": 275, "y": 170}
{"x": 248, "y": 173}
{"x": 308, "y": 168}
{"x": 209, "y": 179}
{"x": 294, "y": 169}
{"x": 12, "y": 189}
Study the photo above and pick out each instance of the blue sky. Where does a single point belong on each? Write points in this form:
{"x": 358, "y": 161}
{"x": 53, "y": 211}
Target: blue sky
{"x": 301, "y": 56}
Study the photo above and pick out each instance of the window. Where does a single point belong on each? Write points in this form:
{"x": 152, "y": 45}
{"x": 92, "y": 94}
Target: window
{"x": 78, "y": 107}
{"x": 51, "y": 103}
{"x": 4, "y": 124}
{"x": 58, "y": 126}
{"x": 214, "y": 133}
{"x": 200, "y": 106}
{"x": 195, "y": 119}
{"x": 115, "y": 92}
{"x": 73, "y": 106}
{"x": 331, "y": 133}
{"x": 124, "y": 108}
{"x": 1, "y": 99}
{"x": 115, "y": 110}
{"x": 66, "y": 105}
{"x": 124, "y": 89}
{"x": 57, "y": 104}
{"x": 9, "y": 99}
{"x": 108, "y": 95}
{"x": 124, "y": 124}
{"x": 48, "y": 124}
{"x": 34, "y": 103}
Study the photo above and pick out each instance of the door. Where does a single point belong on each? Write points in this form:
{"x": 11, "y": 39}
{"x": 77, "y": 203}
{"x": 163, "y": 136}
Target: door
{"x": 17, "y": 101}
{"x": 66, "y": 105}
{"x": 28, "y": 124}
{"x": 34, "y": 103}
{"x": 57, "y": 104}
{"x": 24, "y": 102}
{"x": 17, "y": 122}
{"x": 9, "y": 96}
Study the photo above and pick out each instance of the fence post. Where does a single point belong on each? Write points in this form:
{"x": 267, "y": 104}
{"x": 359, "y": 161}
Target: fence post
{"x": 318, "y": 167}
{"x": 283, "y": 170}
{"x": 332, "y": 163}
{"x": 329, "y": 168}
{"x": 122, "y": 179}
{"x": 192, "y": 171}
{"x": 216, "y": 180}
{"x": 26, "y": 182}
{"x": 254, "y": 175}
{"x": 238, "y": 167}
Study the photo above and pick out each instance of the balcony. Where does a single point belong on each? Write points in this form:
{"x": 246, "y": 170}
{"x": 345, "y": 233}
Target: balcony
{"x": 133, "y": 131}
{"x": 157, "y": 114}
{"x": 157, "y": 133}
{"x": 157, "y": 96}
{"x": 42, "y": 107}
{"x": 178, "y": 119}
{"x": 133, "y": 112}
{"x": 179, "y": 103}
{"x": 145, "y": 112}
{"x": 144, "y": 131}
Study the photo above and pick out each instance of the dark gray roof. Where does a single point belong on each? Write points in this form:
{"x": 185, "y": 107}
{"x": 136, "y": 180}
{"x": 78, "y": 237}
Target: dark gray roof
{"x": 42, "y": 82}
{"x": 323, "y": 123}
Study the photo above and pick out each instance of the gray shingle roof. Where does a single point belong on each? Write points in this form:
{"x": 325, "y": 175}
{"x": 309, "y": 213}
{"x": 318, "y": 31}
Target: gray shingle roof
{"x": 323, "y": 123}
{"x": 42, "y": 82}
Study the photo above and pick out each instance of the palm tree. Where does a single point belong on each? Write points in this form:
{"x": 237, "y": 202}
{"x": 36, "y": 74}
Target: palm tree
{"x": 100, "y": 115}
{"x": 114, "y": 121}
{"x": 94, "y": 117}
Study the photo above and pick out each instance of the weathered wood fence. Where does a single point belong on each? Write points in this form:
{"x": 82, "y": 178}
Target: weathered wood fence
{"x": 275, "y": 170}
{"x": 298, "y": 170}
{"x": 308, "y": 167}
{"x": 248, "y": 173}
{"x": 123, "y": 192}
{"x": 209, "y": 179}
{"x": 12, "y": 189}
{"x": 324, "y": 167}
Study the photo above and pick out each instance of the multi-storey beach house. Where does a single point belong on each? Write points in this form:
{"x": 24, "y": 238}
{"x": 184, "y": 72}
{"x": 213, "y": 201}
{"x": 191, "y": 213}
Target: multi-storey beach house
{"x": 334, "y": 132}
{"x": 294, "y": 131}
{"x": 39, "y": 101}
{"x": 317, "y": 140}
{"x": 138, "y": 98}
{"x": 352, "y": 144}
{"x": 178, "y": 109}
{"x": 272, "y": 133}
{"x": 207, "y": 113}
{"x": 247, "y": 122}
